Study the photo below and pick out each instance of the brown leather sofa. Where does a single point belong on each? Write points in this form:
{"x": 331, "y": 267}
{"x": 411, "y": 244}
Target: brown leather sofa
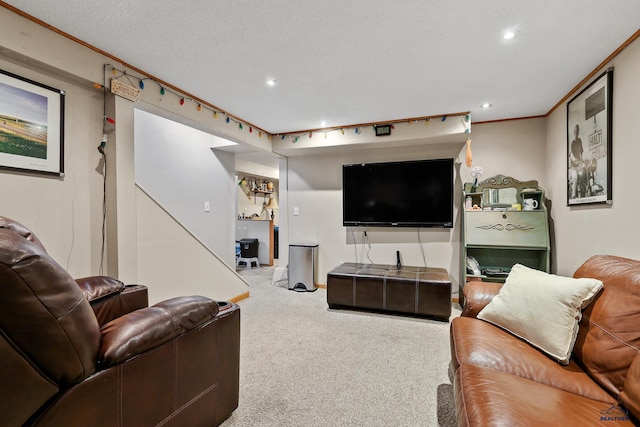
{"x": 502, "y": 380}
{"x": 89, "y": 352}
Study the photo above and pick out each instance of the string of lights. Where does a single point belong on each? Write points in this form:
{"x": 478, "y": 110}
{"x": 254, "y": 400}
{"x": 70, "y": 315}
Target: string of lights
{"x": 360, "y": 128}
{"x": 143, "y": 82}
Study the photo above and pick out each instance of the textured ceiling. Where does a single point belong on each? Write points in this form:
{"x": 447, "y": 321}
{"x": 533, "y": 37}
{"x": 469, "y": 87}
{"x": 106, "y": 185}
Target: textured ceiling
{"x": 358, "y": 61}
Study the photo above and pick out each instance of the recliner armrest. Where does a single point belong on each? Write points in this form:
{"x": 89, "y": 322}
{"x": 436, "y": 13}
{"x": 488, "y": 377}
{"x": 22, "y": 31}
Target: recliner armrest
{"x": 477, "y": 295}
{"x": 97, "y": 287}
{"x": 145, "y": 329}
{"x": 110, "y": 298}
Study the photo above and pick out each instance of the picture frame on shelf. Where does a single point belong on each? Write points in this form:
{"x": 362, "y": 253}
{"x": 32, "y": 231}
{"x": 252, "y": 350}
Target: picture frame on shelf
{"x": 31, "y": 125}
{"x": 589, "y": 143}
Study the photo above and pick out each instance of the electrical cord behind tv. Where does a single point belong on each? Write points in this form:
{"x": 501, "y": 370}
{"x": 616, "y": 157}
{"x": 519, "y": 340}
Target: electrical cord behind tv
{"x": 365, "y": 241}
{"x": 104, "y": 211}
{"x": 355, "y": 246}
{"x": 424, "y": 258}
{"x": 101, "y": 150}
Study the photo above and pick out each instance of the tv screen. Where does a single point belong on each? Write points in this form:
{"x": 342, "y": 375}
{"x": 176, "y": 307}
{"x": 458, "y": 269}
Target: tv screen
{"x": 398, "y": 194}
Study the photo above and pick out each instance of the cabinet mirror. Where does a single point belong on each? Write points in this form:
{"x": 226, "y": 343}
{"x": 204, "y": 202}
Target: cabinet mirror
{"x": 499, "y": 197}
{"x": 502, "y": 191}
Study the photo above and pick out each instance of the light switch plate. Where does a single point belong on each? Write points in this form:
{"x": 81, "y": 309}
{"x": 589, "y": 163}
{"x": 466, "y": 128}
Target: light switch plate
{"x": 207, "y": 207}
{"x": 296, "y": 211}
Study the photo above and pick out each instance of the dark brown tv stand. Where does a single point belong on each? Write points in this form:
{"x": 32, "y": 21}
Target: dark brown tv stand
{"x": 424, "y": 291}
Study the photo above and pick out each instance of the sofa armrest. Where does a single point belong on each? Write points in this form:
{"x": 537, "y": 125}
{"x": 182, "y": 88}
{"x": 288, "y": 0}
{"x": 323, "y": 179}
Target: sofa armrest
{"x": 145, "y": 329}
{"x": 477, "y": 295}
{"x": 110, "y": 298}
{"x": 98, "y": 287}
{"x": 630, "y": 395}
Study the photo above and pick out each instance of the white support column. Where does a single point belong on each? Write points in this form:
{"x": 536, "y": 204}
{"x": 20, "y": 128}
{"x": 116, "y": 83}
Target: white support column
{"x": 121, "y": 192}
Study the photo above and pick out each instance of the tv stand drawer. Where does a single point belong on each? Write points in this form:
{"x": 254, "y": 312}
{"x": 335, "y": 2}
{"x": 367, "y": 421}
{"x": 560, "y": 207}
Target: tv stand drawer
{"x": 507, "y": 228}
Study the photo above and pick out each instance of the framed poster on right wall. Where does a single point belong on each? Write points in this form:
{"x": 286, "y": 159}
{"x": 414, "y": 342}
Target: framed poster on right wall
{"x": 589, "y": 160}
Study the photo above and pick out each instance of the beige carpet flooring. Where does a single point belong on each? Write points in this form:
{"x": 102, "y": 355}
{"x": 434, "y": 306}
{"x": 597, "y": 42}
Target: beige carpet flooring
{"x": 302, "y": 364}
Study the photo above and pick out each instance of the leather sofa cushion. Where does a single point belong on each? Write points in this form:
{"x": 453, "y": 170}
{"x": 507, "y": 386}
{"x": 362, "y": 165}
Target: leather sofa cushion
{"x": 485, "y": 397}
{"x": 479, "y": 343}
{"x": 609, "y": 336}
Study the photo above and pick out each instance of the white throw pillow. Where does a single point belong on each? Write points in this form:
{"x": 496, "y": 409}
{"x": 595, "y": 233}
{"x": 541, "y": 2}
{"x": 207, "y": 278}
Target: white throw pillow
{"x": 542, "y": 309}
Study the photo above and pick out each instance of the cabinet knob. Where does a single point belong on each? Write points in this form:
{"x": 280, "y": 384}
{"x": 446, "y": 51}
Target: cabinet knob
{"x": 504, "y": 216}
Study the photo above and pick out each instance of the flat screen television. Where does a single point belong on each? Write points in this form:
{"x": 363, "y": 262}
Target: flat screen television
{"x": 398, "y": 194}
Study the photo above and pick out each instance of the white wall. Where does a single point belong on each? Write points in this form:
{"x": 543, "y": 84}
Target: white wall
{"x": 189, "y": 268}
{"x": 176, "y": 166}
{"x": 65, "y": 213}
{"x": 255, "y": 169}
{"x": 585, "y": 230}
{"x": 515, "y": 148}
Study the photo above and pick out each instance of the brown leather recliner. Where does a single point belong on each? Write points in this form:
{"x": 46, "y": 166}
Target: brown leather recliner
{"x": 90, "y": 352}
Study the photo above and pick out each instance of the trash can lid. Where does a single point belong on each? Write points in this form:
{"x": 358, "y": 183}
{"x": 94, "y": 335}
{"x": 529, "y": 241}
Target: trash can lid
{"x": 304, "y": 244}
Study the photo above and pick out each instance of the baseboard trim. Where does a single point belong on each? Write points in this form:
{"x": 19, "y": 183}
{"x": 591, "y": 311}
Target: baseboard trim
{"x": 240, "y": 297}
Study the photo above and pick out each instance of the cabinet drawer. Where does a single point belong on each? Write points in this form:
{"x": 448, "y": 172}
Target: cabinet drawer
{"x": 507, "y": 228}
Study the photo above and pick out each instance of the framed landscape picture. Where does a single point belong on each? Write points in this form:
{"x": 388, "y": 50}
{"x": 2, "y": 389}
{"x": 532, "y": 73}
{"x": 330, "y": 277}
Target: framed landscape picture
{"x": 589, "y": 159}
{"x": 31, "y": 125}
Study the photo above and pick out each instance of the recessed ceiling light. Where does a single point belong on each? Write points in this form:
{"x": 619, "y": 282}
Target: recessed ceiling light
{"x": 509, "y": 34}
{"x": 323, "y": 123}
{"x": 486, "y": 105}
{"x": 271, "y": 82}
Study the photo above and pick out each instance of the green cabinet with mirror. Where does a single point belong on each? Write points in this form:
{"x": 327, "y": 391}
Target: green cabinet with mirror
{"x": 504, "y": 222}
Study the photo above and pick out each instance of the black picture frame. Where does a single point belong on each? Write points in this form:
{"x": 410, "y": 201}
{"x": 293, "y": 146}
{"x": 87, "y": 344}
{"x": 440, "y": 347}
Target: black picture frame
{"x": 31, "y": 125}
{"x": 589, "y": 165}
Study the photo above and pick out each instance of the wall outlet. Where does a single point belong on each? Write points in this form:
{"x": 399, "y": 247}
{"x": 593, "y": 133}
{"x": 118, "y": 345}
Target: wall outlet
{"x": 207, "y": 207}
{"x": 296, "y": 211}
